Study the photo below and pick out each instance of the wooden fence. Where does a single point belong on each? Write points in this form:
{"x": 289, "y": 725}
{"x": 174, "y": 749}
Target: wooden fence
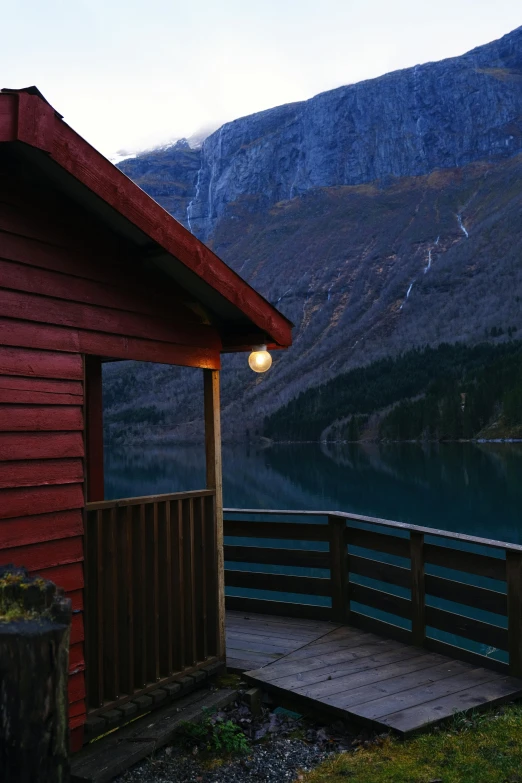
{"x": 151, "y": 593}
{"x": 422, "y": 571}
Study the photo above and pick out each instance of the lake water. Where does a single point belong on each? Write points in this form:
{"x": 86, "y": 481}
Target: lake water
{"x": 463, "y": 487}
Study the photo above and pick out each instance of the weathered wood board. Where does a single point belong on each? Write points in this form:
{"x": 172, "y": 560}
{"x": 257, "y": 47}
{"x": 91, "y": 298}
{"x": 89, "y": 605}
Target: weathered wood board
{"x": 354, "y": 674}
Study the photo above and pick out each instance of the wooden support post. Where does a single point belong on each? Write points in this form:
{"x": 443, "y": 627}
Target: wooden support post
{"x": 514, "y": 609}
{"x": 339, "y": 569}
{"x": 35, "y": 622}
{"x": 215, "y": 482}
{"x": 95, "y": 489}
{"x": 418, "y": 602}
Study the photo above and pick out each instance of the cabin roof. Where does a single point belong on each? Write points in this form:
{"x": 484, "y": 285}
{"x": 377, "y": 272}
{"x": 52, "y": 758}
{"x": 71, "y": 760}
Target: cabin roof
{"x": 74, "y": 167}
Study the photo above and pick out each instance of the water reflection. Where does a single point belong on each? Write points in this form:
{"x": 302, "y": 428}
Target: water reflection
{"x": 464, "y": 487}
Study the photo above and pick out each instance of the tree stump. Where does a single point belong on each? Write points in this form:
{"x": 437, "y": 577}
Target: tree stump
{"x": 35, "y": 622}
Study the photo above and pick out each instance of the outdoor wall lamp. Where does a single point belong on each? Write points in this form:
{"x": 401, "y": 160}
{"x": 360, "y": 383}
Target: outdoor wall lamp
{"x": 259, "y": 360}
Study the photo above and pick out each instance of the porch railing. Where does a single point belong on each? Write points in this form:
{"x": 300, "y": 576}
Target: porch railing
{"x": 151, "y": 593}
{"x": 454, "y": 594}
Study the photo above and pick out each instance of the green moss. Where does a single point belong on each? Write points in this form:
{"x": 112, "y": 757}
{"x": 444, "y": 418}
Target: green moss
{"x": 228, "y": 681}
{"x": 485, "y": 748}
{"x": 13, "y": 586}
{"x": 13, "y": 612}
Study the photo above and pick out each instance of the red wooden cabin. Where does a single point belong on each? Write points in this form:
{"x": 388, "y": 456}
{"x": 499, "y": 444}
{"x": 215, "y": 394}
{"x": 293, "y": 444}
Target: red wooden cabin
{"x": 92, "y": 270}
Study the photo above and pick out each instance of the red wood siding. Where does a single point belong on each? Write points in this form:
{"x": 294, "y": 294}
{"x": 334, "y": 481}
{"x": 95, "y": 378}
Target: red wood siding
{"x": 41, "y": 478}
{"x": 68, "y": 289}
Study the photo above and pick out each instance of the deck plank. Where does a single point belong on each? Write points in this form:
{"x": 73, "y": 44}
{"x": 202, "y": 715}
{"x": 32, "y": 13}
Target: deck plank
{"x": 497, "y": 691}
{"x": 359, "y": 674}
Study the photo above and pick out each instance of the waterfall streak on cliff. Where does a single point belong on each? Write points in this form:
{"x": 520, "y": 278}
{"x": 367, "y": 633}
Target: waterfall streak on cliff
{"x": 428, "y": 267}
{"x": 196, "y": 197}
{"x": 408, "y": 292}
{"x": 283, "y": 295}
{"x": 461, "y": 226}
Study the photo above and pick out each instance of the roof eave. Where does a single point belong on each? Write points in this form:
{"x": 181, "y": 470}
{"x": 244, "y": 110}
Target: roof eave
{"x": 26, "y": 116}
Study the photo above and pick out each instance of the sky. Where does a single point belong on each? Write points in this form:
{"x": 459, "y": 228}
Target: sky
{"x": 135, "y": 74}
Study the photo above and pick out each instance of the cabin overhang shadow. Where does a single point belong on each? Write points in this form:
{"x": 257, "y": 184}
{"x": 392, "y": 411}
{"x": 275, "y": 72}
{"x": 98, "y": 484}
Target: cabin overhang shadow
{"x": 93, "y": 270}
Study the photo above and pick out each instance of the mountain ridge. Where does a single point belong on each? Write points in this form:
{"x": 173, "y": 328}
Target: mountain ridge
{"x": 367, "y": 268}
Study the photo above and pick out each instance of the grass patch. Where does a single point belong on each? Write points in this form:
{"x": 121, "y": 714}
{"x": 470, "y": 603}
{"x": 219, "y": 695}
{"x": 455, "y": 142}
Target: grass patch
{"x": 482, "y": 749}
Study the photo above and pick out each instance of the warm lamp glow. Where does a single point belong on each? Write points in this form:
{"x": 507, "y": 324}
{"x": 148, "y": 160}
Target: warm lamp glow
{"x": 260, "y": 360}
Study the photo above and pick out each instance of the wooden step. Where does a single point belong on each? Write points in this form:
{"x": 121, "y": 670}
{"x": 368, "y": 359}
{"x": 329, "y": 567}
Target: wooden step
{"x": 104, "y": 759}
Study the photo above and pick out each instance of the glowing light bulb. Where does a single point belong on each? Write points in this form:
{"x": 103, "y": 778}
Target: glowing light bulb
{"x": 260, "y": 360}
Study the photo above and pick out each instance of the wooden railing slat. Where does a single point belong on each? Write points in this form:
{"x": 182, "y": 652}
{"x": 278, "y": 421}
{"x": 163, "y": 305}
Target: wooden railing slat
{"x": 381, "y": 627}
{"x": 378, "y": 599}
{"x": 380, "y": 542}
{"x": 384, "y": 523}
{"x": 270, "y": 556}
{"x": 142, "y": 586}
{"x": 100, "y": 562}
{"x": 383, "y": 572}
{"x": 151, "y": 597}
{"x": 129, "y": 574}
{"x": 279, "y": 608}
{"x": 470, "y": 562}
{"x": 476, "y": 630}
{"x": 291, "y": 531}
{"x": 339, "y": 569}
{"x": 418, "y": 603}
{"x": 514, "y": 604}
{"x": 148, "y": 499}
{"x": 189, "y": 586}
{"x": 178, "y": 582}
{"x": 211, "y": 572}
{"x": 469, "y": 595}
{"x": 165, "y": 588}
{"x": 200, "y": 584}
{"x": 283, "y": 583}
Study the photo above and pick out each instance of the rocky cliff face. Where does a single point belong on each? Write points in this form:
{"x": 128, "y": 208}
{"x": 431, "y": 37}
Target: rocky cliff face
{"x": 377, "y": 217}
{"x": 407, "y": 123}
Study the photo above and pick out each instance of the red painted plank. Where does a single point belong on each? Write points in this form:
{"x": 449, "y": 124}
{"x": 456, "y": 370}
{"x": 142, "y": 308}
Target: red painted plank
{"x": 77, "y": 709}
{"x": 21, "y": 531}
{"x": 116, "y": 347}
{"x": 76, "y": 657}
{"x": 43, "y": 556}
{"x": 44, "y": 309}
{"x": 26, "y": 501}
{"x": 29, "y": 334}
{"x": 69, "y": 576}
{"x": 41, "y": 385}
{"x": 88, "y": 242}
{"x": 59, "y": 338}
{"x": 26, "y": 397}
{"x": 40, "y": 445}
{"x": 42, "y": 364}
{"x": 76, "y": 738}
{"x": 119, "y": 294}
{"x": 8, "y": 119}
{"x": 36, "y": 473}
{"x": 27, "y": 418}
{"x": 76, "y": 687}
{"x": 76, "y": 597}
{"x": 77, "y": 633}
{"x": 35, "y": 121}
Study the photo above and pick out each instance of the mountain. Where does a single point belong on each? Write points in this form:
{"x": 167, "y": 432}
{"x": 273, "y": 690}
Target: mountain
{"x": 378, "y": 217}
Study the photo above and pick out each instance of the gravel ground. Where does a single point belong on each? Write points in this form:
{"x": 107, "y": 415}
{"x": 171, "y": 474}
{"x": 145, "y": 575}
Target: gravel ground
{"x": 281, "y": 748}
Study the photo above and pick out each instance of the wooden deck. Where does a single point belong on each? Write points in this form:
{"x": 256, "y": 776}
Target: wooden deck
{"x": 355, "y": 674}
